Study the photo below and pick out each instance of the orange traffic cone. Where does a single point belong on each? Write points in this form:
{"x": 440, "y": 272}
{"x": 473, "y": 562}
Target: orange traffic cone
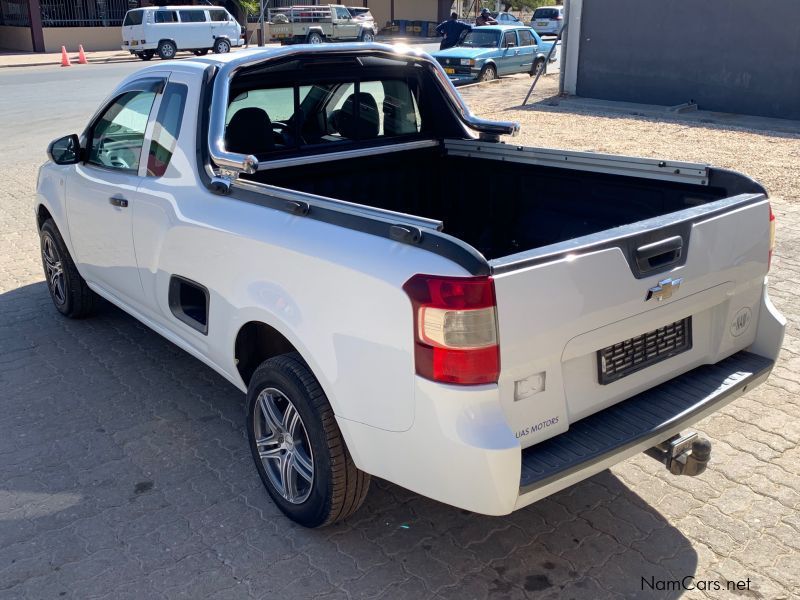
{"x": 64, "y": 58}
{"x": 82, "y": 57}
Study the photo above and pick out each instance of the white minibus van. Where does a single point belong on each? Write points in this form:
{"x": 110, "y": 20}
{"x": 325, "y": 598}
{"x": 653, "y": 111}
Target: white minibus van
{"x": 164, "y": 30}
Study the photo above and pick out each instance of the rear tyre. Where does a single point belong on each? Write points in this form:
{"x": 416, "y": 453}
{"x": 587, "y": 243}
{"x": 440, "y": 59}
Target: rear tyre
{"x": 489, "y": 73}
{"x": 222, "y": 46}
{"x": 314, "y": 38}
{"x": 297, "y": 446}
{"x": 167, "y": 50}
{"x": 68, "y": 290}
{"x": 202, "y": 52}
{"x": 537, "y": 67}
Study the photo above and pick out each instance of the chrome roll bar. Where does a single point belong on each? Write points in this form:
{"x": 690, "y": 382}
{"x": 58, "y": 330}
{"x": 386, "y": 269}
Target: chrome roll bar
{"x": 474, "y": 127}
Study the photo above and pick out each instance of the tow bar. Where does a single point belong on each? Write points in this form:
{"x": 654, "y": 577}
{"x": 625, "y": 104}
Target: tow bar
{"x": 683, "y": 454}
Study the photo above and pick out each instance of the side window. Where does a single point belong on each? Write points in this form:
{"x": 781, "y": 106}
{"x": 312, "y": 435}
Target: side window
{"x": 218, "y": 15}
{"x": 509, "y": 39}
{"x": 167, "y": 129}
{"x": 118, "y": 136}
{"x": 526, "y": 38}
{"x": 192, "y": 16}
{"x": 342, "y": 13}
{"x": 166, "y": 16}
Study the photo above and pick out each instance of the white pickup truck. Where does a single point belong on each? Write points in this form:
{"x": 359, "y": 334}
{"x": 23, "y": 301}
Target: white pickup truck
{"x": 317, "y": 225}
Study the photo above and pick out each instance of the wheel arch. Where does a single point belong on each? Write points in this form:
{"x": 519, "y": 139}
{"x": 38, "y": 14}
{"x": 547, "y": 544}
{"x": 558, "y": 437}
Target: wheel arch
{"x": 255, "y": 342}
{"x": 316, "y": 30}
{"x": 170, "y": 40}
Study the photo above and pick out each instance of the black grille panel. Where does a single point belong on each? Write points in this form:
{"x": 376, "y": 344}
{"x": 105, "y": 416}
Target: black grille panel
{"x": 624, "y": 358}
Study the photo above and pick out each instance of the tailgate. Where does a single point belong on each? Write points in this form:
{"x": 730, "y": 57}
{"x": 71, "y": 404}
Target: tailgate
{"x": 585, "y": 324}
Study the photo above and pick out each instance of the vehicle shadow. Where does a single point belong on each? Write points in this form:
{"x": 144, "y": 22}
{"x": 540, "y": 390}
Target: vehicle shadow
{"x": 122, "y": 455}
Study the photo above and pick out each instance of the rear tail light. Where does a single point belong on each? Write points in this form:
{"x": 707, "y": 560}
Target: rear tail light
{"x": 455, "y": 329}
{"x": 558, "y": 18}
{"x": 771, "y": 236}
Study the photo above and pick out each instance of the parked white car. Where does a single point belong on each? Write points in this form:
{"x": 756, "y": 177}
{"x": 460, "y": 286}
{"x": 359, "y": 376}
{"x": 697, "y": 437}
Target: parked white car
{"x": 548, "y": 20}
{"x": 308, "y": 221}
{"x": 166, "y": 30}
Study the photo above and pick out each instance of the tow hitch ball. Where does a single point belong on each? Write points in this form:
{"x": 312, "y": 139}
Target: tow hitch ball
{"x": 683, "y": 454}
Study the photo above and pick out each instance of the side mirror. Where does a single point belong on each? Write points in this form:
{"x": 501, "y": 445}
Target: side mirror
{"x": 65, "y": 150}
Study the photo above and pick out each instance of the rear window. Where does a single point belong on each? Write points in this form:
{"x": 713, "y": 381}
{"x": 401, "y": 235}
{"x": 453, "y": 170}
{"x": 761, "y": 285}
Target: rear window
{"x": 218, "y": 15}
{"x": 545, "y": 13}
{"x": 134, "y": 17}
{"x": 192, "y": 16}
{"x": 166, "y": 16}
{"x": 296, "y": 117}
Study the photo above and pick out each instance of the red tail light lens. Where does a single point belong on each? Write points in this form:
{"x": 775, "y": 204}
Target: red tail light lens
{"x": 771, "y": 237}
{"x": 455, "y": 328}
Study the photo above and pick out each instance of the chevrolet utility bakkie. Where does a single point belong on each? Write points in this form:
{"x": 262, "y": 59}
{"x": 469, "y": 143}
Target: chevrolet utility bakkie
{"x": 314, "y": 223}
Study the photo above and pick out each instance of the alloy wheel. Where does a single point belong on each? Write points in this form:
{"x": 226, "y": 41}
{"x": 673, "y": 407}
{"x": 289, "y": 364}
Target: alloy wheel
{"x": 283, "y": 445}
{"x": 54, "y": 270}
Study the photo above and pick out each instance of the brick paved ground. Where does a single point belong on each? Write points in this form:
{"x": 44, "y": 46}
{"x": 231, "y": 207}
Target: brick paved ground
{"x": 124, "y": 471}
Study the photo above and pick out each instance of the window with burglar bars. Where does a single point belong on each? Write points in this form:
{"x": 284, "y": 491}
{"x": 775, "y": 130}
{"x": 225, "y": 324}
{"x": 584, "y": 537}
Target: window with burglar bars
{"x": 85, "y": 13}
{"x": 14, "y": 13}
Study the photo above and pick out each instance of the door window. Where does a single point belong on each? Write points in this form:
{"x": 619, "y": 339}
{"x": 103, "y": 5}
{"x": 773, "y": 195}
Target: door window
{"x": 117, "y": 136}
{"x": 166, "y": 16}
{"x": 526, "y": 38}
{"x": 192, "y": 16}
{"x": 342, "y": 13}
{"x": 218, "y": 15}
{"x": 166, "y": 130}
{"x": 509, "y": 39}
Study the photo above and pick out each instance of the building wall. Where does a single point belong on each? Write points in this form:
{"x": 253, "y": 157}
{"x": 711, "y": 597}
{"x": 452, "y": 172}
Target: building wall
{"x": 92, "y": 38}
{"x": 16, "y": 38}
{"x": 726, "y": 55}
{"x": 410, "y": 10}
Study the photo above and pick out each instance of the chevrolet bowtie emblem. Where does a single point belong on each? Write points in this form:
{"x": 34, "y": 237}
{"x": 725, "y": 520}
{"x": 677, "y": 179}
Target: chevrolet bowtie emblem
{"x": 664, "y": 289}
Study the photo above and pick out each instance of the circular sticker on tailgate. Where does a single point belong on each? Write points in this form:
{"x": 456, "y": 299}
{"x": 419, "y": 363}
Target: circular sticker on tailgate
{"x": 741, "y": 321}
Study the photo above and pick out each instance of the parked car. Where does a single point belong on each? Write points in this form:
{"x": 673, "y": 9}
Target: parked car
{"x": 319, "y": 24}
{"x": 488, "y": 52}
{"x": 504, "y": 18}
{"x": 548, "y": 20}
{"x": 166, "y": 30}
{"x": 364, "y": 15}
{"x": 292, "y": 218}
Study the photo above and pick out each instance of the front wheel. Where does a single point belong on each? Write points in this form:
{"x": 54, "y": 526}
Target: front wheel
{"x": 315, "y": 38}
{"x": 489, "y": 73}
{"x": 222, "y": 46}
{"x": 68, "y": 290}
{"x": 367, "y": 37}
{"x": 297, "y": 446}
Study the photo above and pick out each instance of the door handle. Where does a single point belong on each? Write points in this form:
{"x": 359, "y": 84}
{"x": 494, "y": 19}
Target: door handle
{"x": 118, "y": 201}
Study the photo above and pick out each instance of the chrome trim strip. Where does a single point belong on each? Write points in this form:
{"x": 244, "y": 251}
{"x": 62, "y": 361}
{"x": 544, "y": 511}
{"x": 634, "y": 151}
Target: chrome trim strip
{"x": 613, "y": 164}
{"x": 345, "y": 154}
{"x": 473, "y": 126}
{"x": 343, "y": 206}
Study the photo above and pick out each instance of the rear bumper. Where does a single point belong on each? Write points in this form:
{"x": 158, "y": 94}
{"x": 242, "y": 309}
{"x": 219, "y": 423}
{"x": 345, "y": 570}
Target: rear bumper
{"x": 634, "y": 425}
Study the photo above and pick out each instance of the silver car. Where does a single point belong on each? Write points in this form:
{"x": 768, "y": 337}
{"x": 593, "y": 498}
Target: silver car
{"x": 548, "y": 20}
